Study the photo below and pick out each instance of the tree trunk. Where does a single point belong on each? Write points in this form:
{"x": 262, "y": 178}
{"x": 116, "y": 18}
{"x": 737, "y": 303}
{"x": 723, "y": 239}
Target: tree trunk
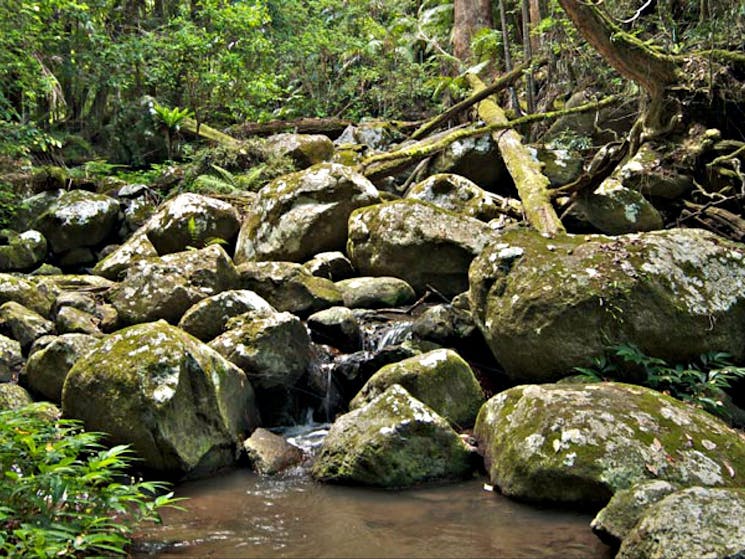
{"x": 469, "y": 17}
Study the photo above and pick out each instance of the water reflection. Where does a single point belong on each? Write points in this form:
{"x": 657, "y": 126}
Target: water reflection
{"x": 240, "y": 515}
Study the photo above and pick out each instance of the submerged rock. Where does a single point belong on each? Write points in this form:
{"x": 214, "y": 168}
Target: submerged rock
{"x": 301, "y": 214}
{"x": 546, "y": 306}
{"x": 393, "y": 441}
{"x": 439, "y": 378}
{"x": 180, "y": 404}
{"x": 582, "y": 443}
{"x": 691, "y": 524}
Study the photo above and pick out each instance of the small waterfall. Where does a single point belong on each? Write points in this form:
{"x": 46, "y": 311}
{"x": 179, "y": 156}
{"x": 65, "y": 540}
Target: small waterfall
{"x": 378, "y": 336}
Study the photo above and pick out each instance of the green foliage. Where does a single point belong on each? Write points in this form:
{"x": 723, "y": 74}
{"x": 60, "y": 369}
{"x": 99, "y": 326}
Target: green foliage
{"x": 62, "y": 494}
{"x": 9, "y": 204}
{"x": 701, "y": 382}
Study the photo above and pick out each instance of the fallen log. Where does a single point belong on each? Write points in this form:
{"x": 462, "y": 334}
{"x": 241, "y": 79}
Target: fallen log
{"x": 532, "y": 185}
{"x": 208, "y": 133}
{"x": 329, "y": 126}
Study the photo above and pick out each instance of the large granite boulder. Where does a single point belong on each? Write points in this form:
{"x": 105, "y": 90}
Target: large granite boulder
{"x": 693, "y": 523}
{"x": 439, "y": 378}
{"x": 458, "y": 194}
{"x": 546, "y": 306}
{"x": 48, "y": 366}
{"x": 35, "y": 293}
{"x": 181, "y": 405}
{"x": 394, "y": 441}
{"x": 78, "y": 219}
{"x": 166, "y": 287}
{"x": 116, "y": 263}
{"x": 208, "y": 318}
{"x": 191, "y": 220}
{"x": 417, "y": 242}
{"x": 304, "y": 149}
{"x": 301, "y": 214}
{"x": 272, "y": 348}
{"x": 477, "y": 159}
{"x": 21, "y": 252}
{"x": 582, "y": 443}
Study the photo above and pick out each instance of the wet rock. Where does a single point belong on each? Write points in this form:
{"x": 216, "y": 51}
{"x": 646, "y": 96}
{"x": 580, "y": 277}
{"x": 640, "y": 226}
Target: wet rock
{"x": 304, "y": 149}
{"x": 477, "y": 159}
{"x": 48, "y": 366}
{"x": 208, "y": 318}
{"x": 301, "y": 214}
{"x": 690, "y": 524}
{"x": 272, "y": 349}
{"x": 337, "y": 327}
{"x": 375, "y": 292}
{"x": 457, "y": 194}
{"x": 78, "y": 219}
{"x": 181, "y": 405}
{"x": 21, "y": 252}
{"x": 547, "y": 306}
{"x": 23, "y": 324}
{"x": 115, "y": 265}
{"x": 270, "y": 454}
{"x": 166, "y": 287}
{"x": 289, "y": 287}
{"x": 613, "y": 523}
{"x": 582, "y": 443}
{"x": 352, "y": 371}
{"x": 440, "y": 379}
{"x": 330, "y": 265}
{"x": 11, "y": 358}
{"x": 32, "y": 292}
{"x": 614, "y": 209}
{"x": 13, "y": 397}
{"x": 393, "y": 441}
{"x": 389, "y": 240}
{"x": 191, "y": 220}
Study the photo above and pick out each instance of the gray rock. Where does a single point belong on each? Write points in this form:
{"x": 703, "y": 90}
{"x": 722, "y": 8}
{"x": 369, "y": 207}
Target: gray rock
{"x": 337, "y": 327}
{"x": 458, "y": 194}
{"x": 304, "y": 149}
{"x": 23, "y": 324}
{"x": 181, "y": 405}
{"x": 36, "y": 293}
{"x": 693, "y": 523}
{"x": 646, "y": 173}
{"x": 70, "y": 320}
{"x": 390, "y": 240}
{"x": 477, "y": 159}
{"x": 301, "y": 214}
{"x": 394, "y": 441}
{"x": 581, "y": 443}
{"x": 21, "y": 252}
{"x": 166, "y": 287}
{"x": 11, "y": 358}
{"x": 115, "y": 265}
{"x": 13, "y": 397}
{"x": 614, "y": 209}
{"x": 208, "y": 318}
{"x": 447, "y": 324}
{"x": 330, "y": 265}
{"x": 270, "y": 454}
{"x": 375, "y": 292}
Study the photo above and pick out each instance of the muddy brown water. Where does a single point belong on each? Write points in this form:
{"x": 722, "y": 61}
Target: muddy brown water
{"x": 241, "y": 515}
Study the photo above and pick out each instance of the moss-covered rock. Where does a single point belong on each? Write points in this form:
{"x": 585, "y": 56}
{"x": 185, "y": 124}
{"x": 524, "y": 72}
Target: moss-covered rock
{"x": 547, "y": 306}
{"x": 116, "y": 263}
{"x": 21, "y": 252}
{"x": 393, "y": 441}
{"x": 36, "y": 293}
{"x": 647, "y": 173}
{"x": 332, "y": 265}
{"x": 208, "y": 318}
{"x": 48, "y": 366}
{"x": 78, "y": 219}
{"x": 440, "y": 378}
{"x": 289, "y": 287}
{"x": 456, "y": 194}
{"x": 165, "y": 287}
{"x": 191, "y": 220}
{"x": 614, "y": 209}
{"x": 304, "y": 149}
{"x": 70, "y": 320}
{"x": 11, "y": 358}
{"x": 375, "y": 293}
{"x": 301, "y": 214}
{"x": 273, "y": 349}
{"x": 417, "y": 242}
{"x": 690, "y": 524}
{"x": 180, "y": 404}
{"x": 13, "y": 396}
{"x": 613, "y": 523}
{"x": 582, "y": 443}
{"x": 337, "y": 327}
{"x": 23, "y": 324}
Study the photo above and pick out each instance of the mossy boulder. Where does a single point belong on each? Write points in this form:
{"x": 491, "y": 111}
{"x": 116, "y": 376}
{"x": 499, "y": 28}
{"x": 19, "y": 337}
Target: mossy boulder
{"x": 70, "y": 320}
{"x": 166, "y": 287}
{"x": 613, "y": 523}
{"x": 614, "y": 209}
{"x": 48, "y": 366}
{"x": 456, "y": 194}
{"x": 208, "y": 318}
{"x": 301, "y": 214}
{"x": 78, "y": 219}
{"x": 690, "y": 524}
{"x": 13, "y": 397}
{"x": 11, "y": 358}
{"x": 375, "y": 292}
{"x": 337, "y": 327}
{"x": 273, "y": 348}
{"x": 191, "y": 220}
{"x": 23, "y": 324}
{"x": 35, "y": 293}
{"x": 649, "y": 174}
{"x": 440, "y": 378}
{"x": 394, "y": 441}
{"x": 304, "y": 149}
{"x": 290, "y": 287}
{"x": 391, "y": 239}
{"x": 546, "y": 306}
{"x": 582, "y": 443}
{"x": 116, "y": 263}
{"x": 21, "y": 252}
{"x": 181, "y": 405}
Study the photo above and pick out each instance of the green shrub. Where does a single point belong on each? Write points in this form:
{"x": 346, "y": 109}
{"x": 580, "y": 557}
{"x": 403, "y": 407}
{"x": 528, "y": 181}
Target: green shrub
{"x": 702, "y": 382}
{"x": 63, "y": 494}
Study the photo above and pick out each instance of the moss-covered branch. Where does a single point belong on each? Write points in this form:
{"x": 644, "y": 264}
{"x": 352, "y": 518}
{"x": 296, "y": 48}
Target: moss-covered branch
{"x": 208, "y": 133}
